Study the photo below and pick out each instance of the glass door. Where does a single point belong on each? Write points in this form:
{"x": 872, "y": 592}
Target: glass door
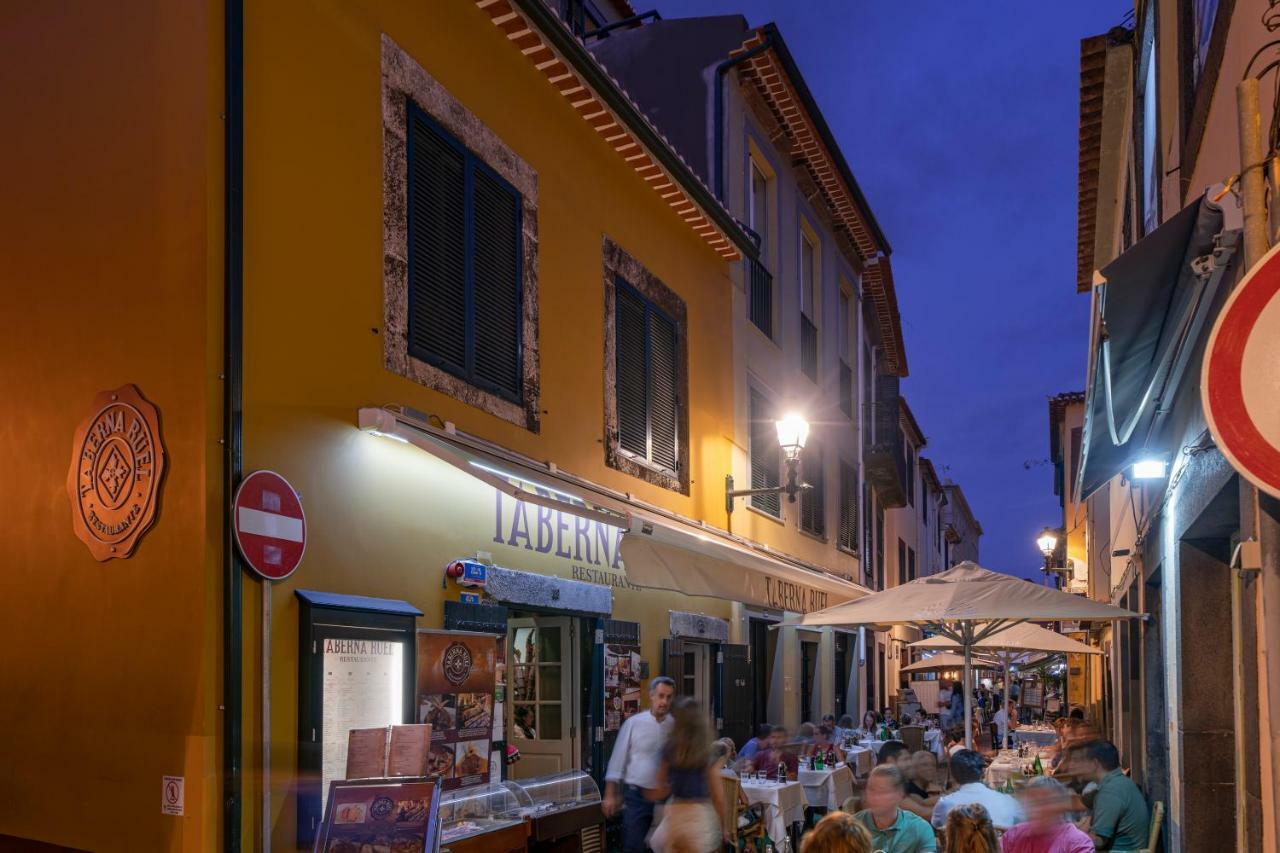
{"x": 542, "y": 666}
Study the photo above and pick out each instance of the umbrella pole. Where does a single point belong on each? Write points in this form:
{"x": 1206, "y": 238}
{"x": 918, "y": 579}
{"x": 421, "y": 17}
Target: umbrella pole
{"x": 967, "y": 628}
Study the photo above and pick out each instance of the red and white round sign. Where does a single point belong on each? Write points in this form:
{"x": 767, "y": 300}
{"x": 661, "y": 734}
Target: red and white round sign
{"x": 1240, "y": 378}
{"x": 270, "y": 526}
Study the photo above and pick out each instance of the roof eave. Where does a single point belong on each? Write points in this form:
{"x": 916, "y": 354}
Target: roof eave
{"x": 575, "y": 55}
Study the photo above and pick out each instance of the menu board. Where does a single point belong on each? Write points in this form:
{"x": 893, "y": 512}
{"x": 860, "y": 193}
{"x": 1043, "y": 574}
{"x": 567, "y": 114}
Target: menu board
{"x": 457, "y": 673}
{"x": 1076, "y": 672}
{"x": 363, "y": 688}
{"x": 398, "y": 816}
{"x": 621, "y": 684}
{"x": 1032, "y": 694}
{"x": 388, "y": 751}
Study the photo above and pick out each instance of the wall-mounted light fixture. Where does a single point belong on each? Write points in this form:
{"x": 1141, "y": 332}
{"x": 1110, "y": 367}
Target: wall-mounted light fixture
{"x": 1047, "y": 542}
{"x": 793, "y": 432}
{"x": 1153, "y": 468}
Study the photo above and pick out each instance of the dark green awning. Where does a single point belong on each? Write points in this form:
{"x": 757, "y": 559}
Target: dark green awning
{"x": 1151, "y": 306}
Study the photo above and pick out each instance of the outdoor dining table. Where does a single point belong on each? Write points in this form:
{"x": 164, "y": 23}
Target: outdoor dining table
{"x": 827, "y": 788}
{"x": 1008, "y": 764}
{"x": 783, "y": 803}
{"x": 1042, "y": 735}
{"x": 860, "y": 758}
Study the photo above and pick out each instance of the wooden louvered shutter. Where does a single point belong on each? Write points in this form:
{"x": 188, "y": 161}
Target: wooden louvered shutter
{"x": 848, "y": 506}
{"x": 664, "y": 400}
{"x": 813, "y": 503}
{"x": 673, "y": 662}
{"x": 464, "y": 254}
{"x": 764, "y": 455}
{"x": 437, "y": 247}
{"x": 630, "y": 380}
{"x": 496, "y": 284}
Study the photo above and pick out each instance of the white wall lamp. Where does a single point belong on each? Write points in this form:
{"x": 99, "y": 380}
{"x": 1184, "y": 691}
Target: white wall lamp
{"x": 793, "y": 432}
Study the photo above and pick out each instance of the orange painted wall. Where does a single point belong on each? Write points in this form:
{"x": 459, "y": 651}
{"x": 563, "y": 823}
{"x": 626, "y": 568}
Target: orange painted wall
{"x": 110, "y": 235}
{"x": 314, "y": 351}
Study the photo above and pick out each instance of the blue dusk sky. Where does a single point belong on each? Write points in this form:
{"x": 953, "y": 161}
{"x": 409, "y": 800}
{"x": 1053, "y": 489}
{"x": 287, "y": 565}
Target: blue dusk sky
{"x": 960, "y": 122}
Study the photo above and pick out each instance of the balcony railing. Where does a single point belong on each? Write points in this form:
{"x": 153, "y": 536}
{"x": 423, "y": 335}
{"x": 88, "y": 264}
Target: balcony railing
{"x": 882, "y": 452}
{"x": 760, "y": 296}
{"x": 808, "y": 348}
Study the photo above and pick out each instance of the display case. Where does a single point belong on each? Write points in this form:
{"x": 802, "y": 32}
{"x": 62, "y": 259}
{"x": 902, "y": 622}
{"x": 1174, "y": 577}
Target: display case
{"x": 564, "y": 811}
{"x": 486, "y": 817}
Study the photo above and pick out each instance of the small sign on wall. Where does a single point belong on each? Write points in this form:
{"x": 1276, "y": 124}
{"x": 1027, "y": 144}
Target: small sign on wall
{"x": 172, "y": 795}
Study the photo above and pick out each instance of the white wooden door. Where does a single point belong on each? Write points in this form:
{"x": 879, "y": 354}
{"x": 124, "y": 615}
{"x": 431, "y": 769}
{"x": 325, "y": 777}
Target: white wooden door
{"x": 542, "y": 666}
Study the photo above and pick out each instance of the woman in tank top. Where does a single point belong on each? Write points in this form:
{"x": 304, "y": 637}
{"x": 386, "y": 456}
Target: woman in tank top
{"x": 692, "y": 785}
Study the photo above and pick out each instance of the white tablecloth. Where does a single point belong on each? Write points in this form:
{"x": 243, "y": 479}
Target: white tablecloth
{"x": 783, "y": 804}
{"x": 873, "y": 745}
{"x": 861, "y": 758}
{"x": 1042, "y": 735}
{"x": 1008, "y": 763}
{"x": 827, "y": 789}
{"x": 933, "y": 741}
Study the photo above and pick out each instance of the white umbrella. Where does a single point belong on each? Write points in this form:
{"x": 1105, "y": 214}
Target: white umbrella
{"x": 1016, "y": 642}
{"x": 945, "y": 660}
{"x": 967, "y": 604}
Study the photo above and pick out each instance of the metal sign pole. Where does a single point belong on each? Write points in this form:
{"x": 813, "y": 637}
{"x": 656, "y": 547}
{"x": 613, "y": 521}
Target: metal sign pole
{"x": 266, "y": 714}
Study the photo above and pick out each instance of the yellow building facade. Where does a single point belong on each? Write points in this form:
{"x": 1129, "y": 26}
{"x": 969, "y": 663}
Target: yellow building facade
{"x": 129, "y": 689}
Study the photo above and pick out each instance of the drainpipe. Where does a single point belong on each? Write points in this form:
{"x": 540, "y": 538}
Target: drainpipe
{"x": 1260, "y": 522}
{"x": 233, "y": 451}
{"x": 721, "y": 70}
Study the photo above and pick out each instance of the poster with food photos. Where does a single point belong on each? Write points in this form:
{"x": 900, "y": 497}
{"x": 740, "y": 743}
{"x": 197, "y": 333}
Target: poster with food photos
{"x": 457, "y": 676}
{"x": 396, "y": 815}
{"x": 621, "y": 684}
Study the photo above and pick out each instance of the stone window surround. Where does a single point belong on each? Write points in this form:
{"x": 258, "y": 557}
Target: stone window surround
{"x": 403, "y": 80}
{"x": 619, "y": 264}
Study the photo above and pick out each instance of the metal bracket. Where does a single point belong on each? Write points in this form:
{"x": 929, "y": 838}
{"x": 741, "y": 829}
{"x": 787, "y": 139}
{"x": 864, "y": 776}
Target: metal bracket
{"x": 1247, "y": 557}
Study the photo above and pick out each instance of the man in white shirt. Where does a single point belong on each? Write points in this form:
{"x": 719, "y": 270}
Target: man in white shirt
{"x": 1005, "y": 719}
{"x": 633, "y": 766}
{"x": 966, "y": 769}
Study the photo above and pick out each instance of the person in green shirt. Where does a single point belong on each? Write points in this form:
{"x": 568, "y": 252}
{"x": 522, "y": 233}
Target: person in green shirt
{"x": 1120, "y": 819}
{"x": 892, "y": 829}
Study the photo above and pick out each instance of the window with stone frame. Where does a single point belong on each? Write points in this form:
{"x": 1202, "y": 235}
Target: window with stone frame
{"x": 460, "y": 257}
{"x": 646, "y": 373}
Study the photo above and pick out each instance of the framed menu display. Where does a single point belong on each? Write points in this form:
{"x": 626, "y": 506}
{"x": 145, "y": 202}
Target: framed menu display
{"x": 457, "y": 676}
{"x": 396, "y": 815}
{"x": 621, "y": 684}
{"x": 355, "y": 672}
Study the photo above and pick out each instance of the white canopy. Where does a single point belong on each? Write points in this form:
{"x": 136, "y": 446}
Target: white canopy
{"x": 966, "y": 604}
{"x": 1025, "y": 637}
{"x": 945, "y": 660}
{"x": 965, "y": 593}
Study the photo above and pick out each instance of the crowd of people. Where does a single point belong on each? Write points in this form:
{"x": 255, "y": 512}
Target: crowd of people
{"x": 910, "y": 802}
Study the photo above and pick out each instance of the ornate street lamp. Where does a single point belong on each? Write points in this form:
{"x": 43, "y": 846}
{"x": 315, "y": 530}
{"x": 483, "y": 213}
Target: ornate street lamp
{"x": 1047, "y": 542}
{"x": 793, "y": 431}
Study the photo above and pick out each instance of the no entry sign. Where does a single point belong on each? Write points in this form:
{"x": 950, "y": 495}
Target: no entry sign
{"x": 1240, "y": 379}
{"x": 270, "y": 526}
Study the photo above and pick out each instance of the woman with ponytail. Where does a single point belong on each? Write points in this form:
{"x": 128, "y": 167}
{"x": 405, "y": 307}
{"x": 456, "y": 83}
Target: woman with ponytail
{"x": 969, "y": 830}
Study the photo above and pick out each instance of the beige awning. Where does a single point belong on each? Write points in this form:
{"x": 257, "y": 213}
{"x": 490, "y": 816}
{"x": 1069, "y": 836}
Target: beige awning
{"x": 666, "y": 554}
{"x": 659, "y": 551}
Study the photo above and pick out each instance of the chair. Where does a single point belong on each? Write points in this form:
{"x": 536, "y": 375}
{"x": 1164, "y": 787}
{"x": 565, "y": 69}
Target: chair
{"x": 1157, "y": 818}
{"x": 734, "y": 805}
{"x": 913, "y": 737}
{"x": 996, "y": 745}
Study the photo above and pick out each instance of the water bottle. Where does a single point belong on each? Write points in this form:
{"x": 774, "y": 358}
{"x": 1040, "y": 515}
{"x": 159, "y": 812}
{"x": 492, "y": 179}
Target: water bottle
{"x": 817, "y": 760}
{"x": 782, "y": 771}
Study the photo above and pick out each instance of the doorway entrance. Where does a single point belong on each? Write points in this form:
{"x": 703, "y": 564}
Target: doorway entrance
{"x": 697, "y": 677}
{"x": 543, "y": 670}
